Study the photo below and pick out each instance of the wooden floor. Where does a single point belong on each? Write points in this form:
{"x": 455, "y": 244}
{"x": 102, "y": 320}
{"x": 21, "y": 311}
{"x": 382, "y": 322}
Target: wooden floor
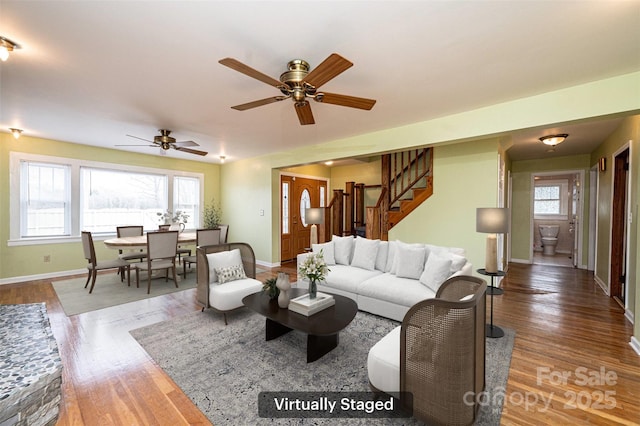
{"x": 565, "y": 325}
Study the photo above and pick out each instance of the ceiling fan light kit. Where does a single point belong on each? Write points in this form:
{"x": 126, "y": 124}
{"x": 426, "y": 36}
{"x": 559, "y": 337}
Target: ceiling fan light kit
{"x": 299, "y": 83}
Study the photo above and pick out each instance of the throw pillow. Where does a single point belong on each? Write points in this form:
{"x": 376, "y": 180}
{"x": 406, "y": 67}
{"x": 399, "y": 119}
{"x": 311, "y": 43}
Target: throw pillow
{"x": 391, "y": 256}
{"x": 383, "y": 254}
{"x": 343, "y": 246}
{"x": 230, "y": 273}
{"x": 457, "y": 262}
{"x": 410, "y": 261}
{"x": 327, "y": 252}
{"x": 220, "y": 260}
{"x": 396, "y": 257}
{"x": 436, "y": 271}
{"x": 365, "y": 253}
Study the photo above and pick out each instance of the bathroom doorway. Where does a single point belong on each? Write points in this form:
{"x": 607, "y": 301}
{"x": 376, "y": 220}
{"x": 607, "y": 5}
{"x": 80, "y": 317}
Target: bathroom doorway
{"x": 556, "y": 234}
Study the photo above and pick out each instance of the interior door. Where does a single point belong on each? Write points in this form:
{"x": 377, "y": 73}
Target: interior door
{"x": 619, "y": 226}
{"x": 574, "y": 224}
{"x": 286, "y": 242}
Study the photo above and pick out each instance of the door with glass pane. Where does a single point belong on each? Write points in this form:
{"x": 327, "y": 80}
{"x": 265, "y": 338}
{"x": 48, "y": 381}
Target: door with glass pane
{"x": 297, "y": 195}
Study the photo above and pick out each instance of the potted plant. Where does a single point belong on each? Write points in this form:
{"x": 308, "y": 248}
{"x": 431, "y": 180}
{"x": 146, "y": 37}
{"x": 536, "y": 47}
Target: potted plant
{"x": 211, "y": 215}
{"x": 269, "y": 287}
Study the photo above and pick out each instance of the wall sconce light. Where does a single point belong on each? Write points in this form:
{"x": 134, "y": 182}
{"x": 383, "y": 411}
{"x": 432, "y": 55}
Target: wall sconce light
{"x": 553, "y": 140}
{"x": 602, "y": 164}
{"x": 7, "y": 46}
{"x": 16, "y": 132}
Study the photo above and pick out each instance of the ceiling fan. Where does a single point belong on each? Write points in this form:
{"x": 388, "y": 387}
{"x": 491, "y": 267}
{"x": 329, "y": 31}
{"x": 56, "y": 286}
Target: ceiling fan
{"x": 298, "y": 84}
{"x": 166, "y": 142}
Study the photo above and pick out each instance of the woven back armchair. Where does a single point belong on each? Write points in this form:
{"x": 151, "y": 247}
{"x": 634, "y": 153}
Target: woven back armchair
{"x": 442, "y": 352}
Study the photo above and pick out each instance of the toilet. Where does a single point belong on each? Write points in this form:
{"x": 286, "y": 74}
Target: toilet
{"x": 549, "y": 234}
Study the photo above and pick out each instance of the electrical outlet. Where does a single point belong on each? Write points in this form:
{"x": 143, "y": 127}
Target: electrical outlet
{"x": 261, "y": 212}
{"x": 47, "y": 258}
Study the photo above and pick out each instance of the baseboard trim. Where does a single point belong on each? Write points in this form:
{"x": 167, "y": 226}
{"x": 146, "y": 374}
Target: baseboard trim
{"x": 525, "y": 261}
{"x": 48, "y": 275}
{"x": 629, "y": 315}
{"x": 635, "y": 345}
{"x": 602, "y": 285}
{"x": 268, "y": 264}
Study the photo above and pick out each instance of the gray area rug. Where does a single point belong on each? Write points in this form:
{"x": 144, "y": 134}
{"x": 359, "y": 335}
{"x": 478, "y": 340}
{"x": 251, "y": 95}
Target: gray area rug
{"x": 109, "y": 291}
{"x": 223, "y": 369}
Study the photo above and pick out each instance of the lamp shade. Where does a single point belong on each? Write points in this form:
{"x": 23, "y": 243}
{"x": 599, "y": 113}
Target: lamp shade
{"x": 314, "y": 215}
{"x": 492, "y": 220}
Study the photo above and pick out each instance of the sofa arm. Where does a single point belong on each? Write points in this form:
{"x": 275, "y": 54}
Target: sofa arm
{"x": 467, "y": 269}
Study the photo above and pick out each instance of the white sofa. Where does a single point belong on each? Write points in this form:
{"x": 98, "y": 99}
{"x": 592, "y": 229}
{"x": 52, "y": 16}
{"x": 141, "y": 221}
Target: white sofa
{"x": 386, "y": 278}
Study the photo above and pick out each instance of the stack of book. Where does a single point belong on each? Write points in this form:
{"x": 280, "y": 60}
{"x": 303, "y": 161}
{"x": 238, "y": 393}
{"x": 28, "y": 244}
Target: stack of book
{"x": 305, "y": 306}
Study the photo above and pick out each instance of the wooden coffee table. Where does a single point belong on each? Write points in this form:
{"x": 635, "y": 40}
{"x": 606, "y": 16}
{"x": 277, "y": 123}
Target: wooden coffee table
{"x": 322, "y": 328}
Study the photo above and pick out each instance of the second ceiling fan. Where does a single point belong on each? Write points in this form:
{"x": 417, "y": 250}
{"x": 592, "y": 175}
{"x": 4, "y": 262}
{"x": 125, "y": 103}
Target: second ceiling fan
{"x": 299, "y": 84}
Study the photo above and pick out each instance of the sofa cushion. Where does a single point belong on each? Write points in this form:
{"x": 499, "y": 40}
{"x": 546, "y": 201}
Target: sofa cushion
{"x": 327, "y": 252}
{"x": 410, "y": 261}
{"x": 343, "y": 247}
{"x": 221, "y": 260}
{"x": 436, "y": 271}
{"x": 365, "y": 253}
{"x": 383, "y": 254}
{"x": 383, "y": 362}
{"x": 348, "y": 278}
{"x": 389, "y": 287}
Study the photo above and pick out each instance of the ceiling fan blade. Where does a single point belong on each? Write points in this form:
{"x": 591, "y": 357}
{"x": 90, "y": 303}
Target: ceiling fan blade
{"x": 345, "y": 100}
{"x": 142, "y": 139}
{"x": 303, "y": 109}
{"x": 185, "y": 143}
{"x": 234, "y": 64}
{"x": 150, "y": 146}
{"x": 328, "y": 69}
{"x": 261, "y": 102}
{"x": 189, "y": 150}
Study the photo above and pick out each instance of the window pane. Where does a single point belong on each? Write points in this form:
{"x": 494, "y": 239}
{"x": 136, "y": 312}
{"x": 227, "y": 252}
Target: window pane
{"x": 547, "y": 192}
{"x": 186, "y": 198}
{"x": 111, "y": 198}
{"x": 285, "y": 207}
{"x": 44, "y": 199}
{"x": 305, "y": 203}
{"x": 547, "y": 200}
{"x": 547, "y": 207}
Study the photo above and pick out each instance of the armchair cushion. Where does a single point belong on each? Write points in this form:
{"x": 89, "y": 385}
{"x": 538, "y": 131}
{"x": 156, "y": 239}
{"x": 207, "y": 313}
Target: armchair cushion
{"x": 383, "y": 362}
{"x": 226, "y": 297}
{"x": 220, "y": 260}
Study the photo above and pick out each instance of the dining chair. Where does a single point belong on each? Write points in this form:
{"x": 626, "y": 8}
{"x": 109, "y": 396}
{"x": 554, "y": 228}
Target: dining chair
{"x": 204, "y": 237}
{"x": 180, "y": 251}
{"x": 161, "y": 254}
{"x": 130, "y": 231}
{"x": 94, "y": 265}
{"x": 224, "y": 231}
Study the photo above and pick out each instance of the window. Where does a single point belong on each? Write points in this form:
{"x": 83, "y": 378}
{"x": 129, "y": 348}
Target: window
{"x": 285, "y": 207}
{"x": 111, "y": 198}
{"x": 550, "y": 200}
{"x": 44, "y": 199}
{"x": 53, "y": 199}
{"x": 305, "y": 203}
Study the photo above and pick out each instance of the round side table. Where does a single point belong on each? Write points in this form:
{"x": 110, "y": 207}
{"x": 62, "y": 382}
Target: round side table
{"x": 491, "y": 330}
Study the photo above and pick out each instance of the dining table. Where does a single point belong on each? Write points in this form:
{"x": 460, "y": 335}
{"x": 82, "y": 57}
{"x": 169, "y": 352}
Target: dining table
{"x": 140, "y": 241}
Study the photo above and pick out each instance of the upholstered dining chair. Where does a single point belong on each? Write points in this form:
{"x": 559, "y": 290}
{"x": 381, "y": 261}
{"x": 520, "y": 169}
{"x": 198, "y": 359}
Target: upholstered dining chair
{"x": 161, "y": 255}
{"x": 130, "y": 231}
{"x": 94, "y": 265}
{"x": 204, "y": 237}
{"x": 224, "y": 231}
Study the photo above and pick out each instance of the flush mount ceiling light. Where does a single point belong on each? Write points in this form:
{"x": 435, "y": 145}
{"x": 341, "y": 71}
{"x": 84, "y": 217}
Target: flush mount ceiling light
{"x": 222, "y": 158}
{"x": 553, "y": 140}
{"x": 15, "y": 132}
{"x": 7, "y": 46}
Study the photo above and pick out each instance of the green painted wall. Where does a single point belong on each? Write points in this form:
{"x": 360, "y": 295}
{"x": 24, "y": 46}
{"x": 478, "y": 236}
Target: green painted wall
{"x": 627, "y": 133}
{"x": 367, "y": 172}
{"x": 28, "y": 260}
{"x": 522, "y": 216}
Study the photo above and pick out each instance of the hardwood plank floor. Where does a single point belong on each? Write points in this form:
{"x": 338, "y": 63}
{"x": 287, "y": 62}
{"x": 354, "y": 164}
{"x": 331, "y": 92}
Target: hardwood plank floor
{"x": 564, "y": 324}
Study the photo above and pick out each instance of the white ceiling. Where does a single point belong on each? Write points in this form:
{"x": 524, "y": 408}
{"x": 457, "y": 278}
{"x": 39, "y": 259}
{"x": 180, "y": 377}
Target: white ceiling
{"x": 91, "y": 72}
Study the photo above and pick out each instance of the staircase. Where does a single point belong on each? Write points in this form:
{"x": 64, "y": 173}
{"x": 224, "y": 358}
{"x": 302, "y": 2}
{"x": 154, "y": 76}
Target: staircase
{"x": 407, "y": 181}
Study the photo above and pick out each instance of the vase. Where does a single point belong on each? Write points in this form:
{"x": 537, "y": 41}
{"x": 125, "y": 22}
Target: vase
{"x": 283, "y": 284}
{"x": 177, "y": 226}
{"x": 313, "y": 289}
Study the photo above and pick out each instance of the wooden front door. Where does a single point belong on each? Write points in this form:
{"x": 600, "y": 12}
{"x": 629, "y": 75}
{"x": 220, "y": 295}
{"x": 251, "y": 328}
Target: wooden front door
{"x": 298, "y": 194}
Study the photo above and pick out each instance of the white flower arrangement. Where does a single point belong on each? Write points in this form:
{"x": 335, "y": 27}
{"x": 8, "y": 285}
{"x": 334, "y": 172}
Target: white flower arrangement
{"x": 168, "y": 217}
{"x": 314, "y": 268}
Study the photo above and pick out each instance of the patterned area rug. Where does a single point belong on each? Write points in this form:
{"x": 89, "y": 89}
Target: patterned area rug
{"x": 223, "y": 369}
{"x": 109, "y": 291}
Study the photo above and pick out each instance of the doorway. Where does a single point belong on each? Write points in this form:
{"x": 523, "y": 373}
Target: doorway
{"x": 556, "y": 205}
{"x": 619, "y": 207}
{"x": 298, "y": 194}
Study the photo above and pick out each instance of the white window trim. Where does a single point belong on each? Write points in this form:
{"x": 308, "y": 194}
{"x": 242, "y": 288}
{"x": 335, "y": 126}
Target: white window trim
{"x": 564, "y": 200}
{"x": 15, "y": 158}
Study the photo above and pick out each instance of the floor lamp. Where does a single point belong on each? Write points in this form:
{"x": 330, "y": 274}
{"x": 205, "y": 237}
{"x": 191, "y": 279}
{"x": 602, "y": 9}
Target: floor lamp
{"x": 314, "y": 216}
{"x": 492, "y": 221}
